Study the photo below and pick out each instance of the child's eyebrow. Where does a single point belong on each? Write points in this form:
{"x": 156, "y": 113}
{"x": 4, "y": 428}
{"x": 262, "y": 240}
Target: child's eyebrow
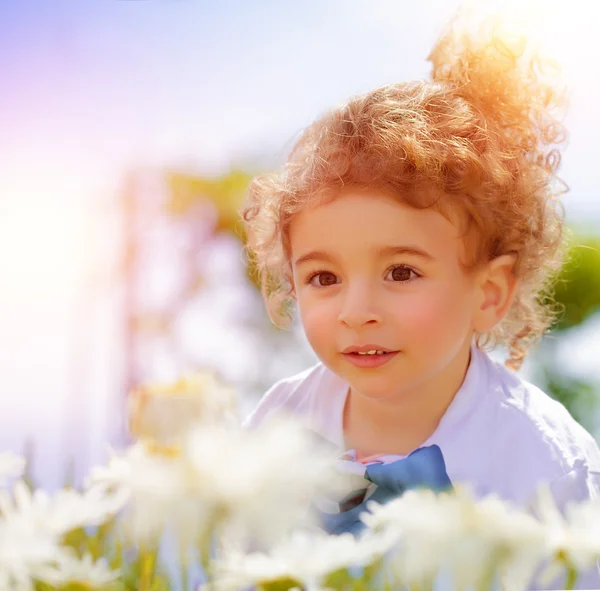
{"x": 385, "y": 251}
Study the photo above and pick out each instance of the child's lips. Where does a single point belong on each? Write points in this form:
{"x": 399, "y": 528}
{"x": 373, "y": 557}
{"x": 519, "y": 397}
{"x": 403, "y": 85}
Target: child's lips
{"x": 366, "y": 348}
{"x": 369, "y": 361}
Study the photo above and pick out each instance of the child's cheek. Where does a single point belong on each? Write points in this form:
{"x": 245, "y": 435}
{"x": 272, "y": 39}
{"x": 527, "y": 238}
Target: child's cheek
{"x": 431, "y": 316}
{"x": 421, "y": 315}
{"x": 316, "y": 317}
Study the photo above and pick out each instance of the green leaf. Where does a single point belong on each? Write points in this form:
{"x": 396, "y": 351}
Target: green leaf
{"x": 577, "y": 288}
{"x": 282, "y": 584}
{"x": 77, "y": 539}
{"x": 341, "y": 579}
{"x": 578, "y": 396}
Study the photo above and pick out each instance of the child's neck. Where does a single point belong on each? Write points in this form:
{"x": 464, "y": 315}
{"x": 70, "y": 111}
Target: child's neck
{"x": 401, "y": 424}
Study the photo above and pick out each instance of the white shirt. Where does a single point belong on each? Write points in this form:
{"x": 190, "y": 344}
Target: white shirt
{"x": 500, "y": 434}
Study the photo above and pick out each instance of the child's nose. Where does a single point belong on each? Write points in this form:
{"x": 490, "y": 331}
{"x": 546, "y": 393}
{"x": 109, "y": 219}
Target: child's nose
{"x": 359, "y": 307}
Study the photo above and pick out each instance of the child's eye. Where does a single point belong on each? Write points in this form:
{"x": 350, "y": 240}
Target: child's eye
{"x": 402, "y": 274}
{"x": 324, "y": 279}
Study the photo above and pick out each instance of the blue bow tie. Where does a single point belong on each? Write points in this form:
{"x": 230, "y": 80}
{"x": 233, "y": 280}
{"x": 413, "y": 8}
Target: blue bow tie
{"x": 423, "y": 468}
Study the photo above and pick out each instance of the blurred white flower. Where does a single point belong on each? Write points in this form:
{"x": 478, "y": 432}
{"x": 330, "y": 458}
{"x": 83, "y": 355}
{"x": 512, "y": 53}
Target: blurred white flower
{"x": 424, "y": 520}
{"x": 253, "y": 483}
{"x": 572, "y": 539}
{"x": 304, "y": 558}
{"x": 32, "y": 526}
{"x": 84, "y": 572}
{"x": 11, "y": 466}
{"x": 262, "y": 481}
{"x": 63, "y": 511}
{"x": 26, "y": 545}
{"x": 164, "y": 413}
{"x": 161, "y": 491}
{"x": 454, "y": 532}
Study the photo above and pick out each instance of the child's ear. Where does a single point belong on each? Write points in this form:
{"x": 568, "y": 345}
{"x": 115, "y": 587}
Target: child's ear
{"x": 496, "y": 292}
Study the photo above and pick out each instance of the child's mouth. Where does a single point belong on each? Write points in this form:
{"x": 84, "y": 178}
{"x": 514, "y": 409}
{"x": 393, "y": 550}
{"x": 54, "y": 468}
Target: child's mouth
{"x": 370, "y": 360}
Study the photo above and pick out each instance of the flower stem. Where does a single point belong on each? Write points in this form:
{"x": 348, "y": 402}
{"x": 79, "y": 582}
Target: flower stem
{"x": 571, "y": 576}
{"x": 147, "y": 565}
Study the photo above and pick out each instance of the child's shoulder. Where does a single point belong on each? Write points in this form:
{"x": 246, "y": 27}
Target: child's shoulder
{"x": 297, "y": 394}
{"x": 532, "y": 423}
{"x": 511, "y": 437}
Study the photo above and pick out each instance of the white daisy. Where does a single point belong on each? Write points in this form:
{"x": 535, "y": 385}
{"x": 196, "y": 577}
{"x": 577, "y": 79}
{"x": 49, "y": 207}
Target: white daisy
{"x": 453, "y": 532}
{"x": 161, "y": 491}
{"x": 571, "y": 539}
{"x": 262, "y": 481}
{"x": 70, "y": 570}
{"x": 32, "y": 526}
{"x": 304, "y": 558}
{"x": 255, "y": 483}
{"x": 25, "y": 546}
{"x": 63, "y": 511}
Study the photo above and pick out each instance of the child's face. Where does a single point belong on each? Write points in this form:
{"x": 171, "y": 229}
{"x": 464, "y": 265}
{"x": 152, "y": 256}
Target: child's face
{"x": 352, "y": 292}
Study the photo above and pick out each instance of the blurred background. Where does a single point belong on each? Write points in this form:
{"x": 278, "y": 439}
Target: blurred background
{"x": 129, "y": 130}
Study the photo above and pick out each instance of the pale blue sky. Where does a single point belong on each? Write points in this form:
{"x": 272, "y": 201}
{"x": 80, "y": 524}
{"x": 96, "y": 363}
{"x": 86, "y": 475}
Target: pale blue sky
{"x": 90, "y": 87}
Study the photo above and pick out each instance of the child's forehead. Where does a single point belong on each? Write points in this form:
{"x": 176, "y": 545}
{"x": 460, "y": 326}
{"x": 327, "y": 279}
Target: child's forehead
{"x": 368, "y": 221}
{"x": 369, "y": 212}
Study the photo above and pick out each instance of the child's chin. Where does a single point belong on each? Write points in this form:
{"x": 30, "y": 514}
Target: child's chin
{"x": 374, "y": 387}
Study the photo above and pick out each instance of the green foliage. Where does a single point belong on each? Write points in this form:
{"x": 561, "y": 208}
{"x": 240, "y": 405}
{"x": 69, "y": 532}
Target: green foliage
{"x": 578, "y": 396}
{"x": 282, "y": 584}
{"x": 577, "y": 294}
{"x": 339, "y": 579}
{"x": 577, "y": 289}
{"x": 116, "y": 586}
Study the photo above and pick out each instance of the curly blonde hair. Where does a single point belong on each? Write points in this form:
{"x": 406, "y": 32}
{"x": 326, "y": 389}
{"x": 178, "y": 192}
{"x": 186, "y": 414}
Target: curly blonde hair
{"x": 480, "y": 136}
